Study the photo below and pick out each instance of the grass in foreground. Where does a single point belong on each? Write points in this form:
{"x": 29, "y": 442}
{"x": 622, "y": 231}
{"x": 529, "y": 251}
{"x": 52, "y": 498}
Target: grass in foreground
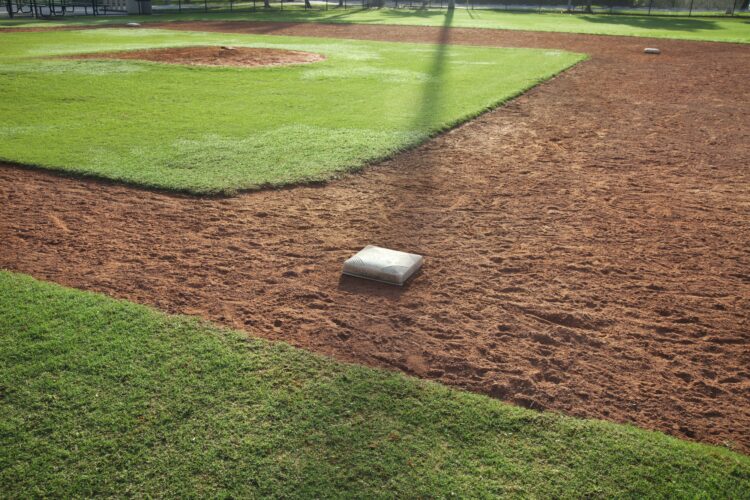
{"x": 219, "y": 130}
{"x": 718, "y": 29}
{"x": 105, "y": 397}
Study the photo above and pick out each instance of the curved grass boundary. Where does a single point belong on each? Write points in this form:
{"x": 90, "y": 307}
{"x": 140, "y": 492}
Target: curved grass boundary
{"x": 221, "y": 130}
{"x": 108, "y": 398}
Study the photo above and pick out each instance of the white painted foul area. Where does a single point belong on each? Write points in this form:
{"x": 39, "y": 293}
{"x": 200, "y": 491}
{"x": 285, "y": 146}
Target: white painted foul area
{"x": 384, "y": 265}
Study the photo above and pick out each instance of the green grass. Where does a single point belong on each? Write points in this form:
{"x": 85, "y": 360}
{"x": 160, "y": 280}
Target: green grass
{"x": 719, "y": 29}
{"x": 108, "y": 398}
{"x": 219, "y": 130}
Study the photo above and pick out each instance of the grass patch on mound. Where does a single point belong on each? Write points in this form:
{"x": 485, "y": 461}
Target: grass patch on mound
{"x": 100, "y": 397}
{"x": 717, "y": 29}
{"x": 211, "y": 130}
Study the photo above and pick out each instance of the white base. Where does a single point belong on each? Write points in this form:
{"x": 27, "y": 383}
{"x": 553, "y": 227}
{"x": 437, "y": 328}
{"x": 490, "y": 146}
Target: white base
{"x": 384, "y": 265}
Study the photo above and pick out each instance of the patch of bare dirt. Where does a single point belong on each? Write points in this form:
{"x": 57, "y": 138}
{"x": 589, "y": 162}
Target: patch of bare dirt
{"x": 211, "y": 56}
{"x": 587, "y": 246}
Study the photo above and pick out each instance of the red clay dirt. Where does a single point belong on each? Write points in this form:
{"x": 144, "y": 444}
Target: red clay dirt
{"x": 587, "y": 245}
{"x": 212, "y": 56}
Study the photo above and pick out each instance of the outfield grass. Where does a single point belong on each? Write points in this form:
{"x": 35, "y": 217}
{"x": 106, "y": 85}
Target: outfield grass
{"x": 219, "y": 130}
{"x": 718, "y": 29}
{"x": 105, "y": 397}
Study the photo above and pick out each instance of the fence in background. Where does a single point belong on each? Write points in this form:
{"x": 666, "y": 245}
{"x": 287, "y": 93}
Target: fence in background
{"x": 52, "y": 8}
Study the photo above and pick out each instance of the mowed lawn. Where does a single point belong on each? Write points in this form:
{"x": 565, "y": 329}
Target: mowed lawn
{"x": 100, "y": 397}
{"x": 219, "y": 130}
{"x": 717, "y": 29}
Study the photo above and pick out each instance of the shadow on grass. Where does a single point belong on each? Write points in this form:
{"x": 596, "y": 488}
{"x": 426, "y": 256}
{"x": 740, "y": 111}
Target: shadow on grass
{"x": 331, "y": 15}
{"x": 654, "y": 23}
{"x": 406, "y": 13}
{"x": 431, "y": 99}
{"x": 325, "y": 17}
{"x": 404, "y": 190}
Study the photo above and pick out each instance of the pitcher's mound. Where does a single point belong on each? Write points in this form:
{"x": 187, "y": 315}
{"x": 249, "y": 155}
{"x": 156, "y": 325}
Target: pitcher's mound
{"x": 212, "y": 56}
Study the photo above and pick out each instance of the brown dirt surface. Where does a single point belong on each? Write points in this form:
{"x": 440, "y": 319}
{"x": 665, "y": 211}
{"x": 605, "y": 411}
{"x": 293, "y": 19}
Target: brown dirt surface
{"x": 587, "y": 245}
{"x": 211, "y": 56}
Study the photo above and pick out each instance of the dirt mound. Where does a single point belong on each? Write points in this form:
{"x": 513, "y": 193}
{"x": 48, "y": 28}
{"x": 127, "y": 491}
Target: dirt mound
{"x": 212, "y": 56}
{"x": 586, "y": 245}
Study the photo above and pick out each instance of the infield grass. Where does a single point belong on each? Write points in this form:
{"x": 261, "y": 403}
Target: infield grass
{"x": 210, "y": 130}
{"x": 100, "y": 397}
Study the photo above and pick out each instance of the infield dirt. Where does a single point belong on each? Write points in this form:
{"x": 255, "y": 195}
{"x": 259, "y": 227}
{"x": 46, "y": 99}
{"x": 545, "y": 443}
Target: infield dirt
{"x": 587, "y": 245}
{"x": 211, "y": 56}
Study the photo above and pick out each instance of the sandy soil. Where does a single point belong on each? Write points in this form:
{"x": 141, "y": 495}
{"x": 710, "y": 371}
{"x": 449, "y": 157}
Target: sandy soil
{"x": 212, "y": 56}
{"x": 587, "y": 246}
